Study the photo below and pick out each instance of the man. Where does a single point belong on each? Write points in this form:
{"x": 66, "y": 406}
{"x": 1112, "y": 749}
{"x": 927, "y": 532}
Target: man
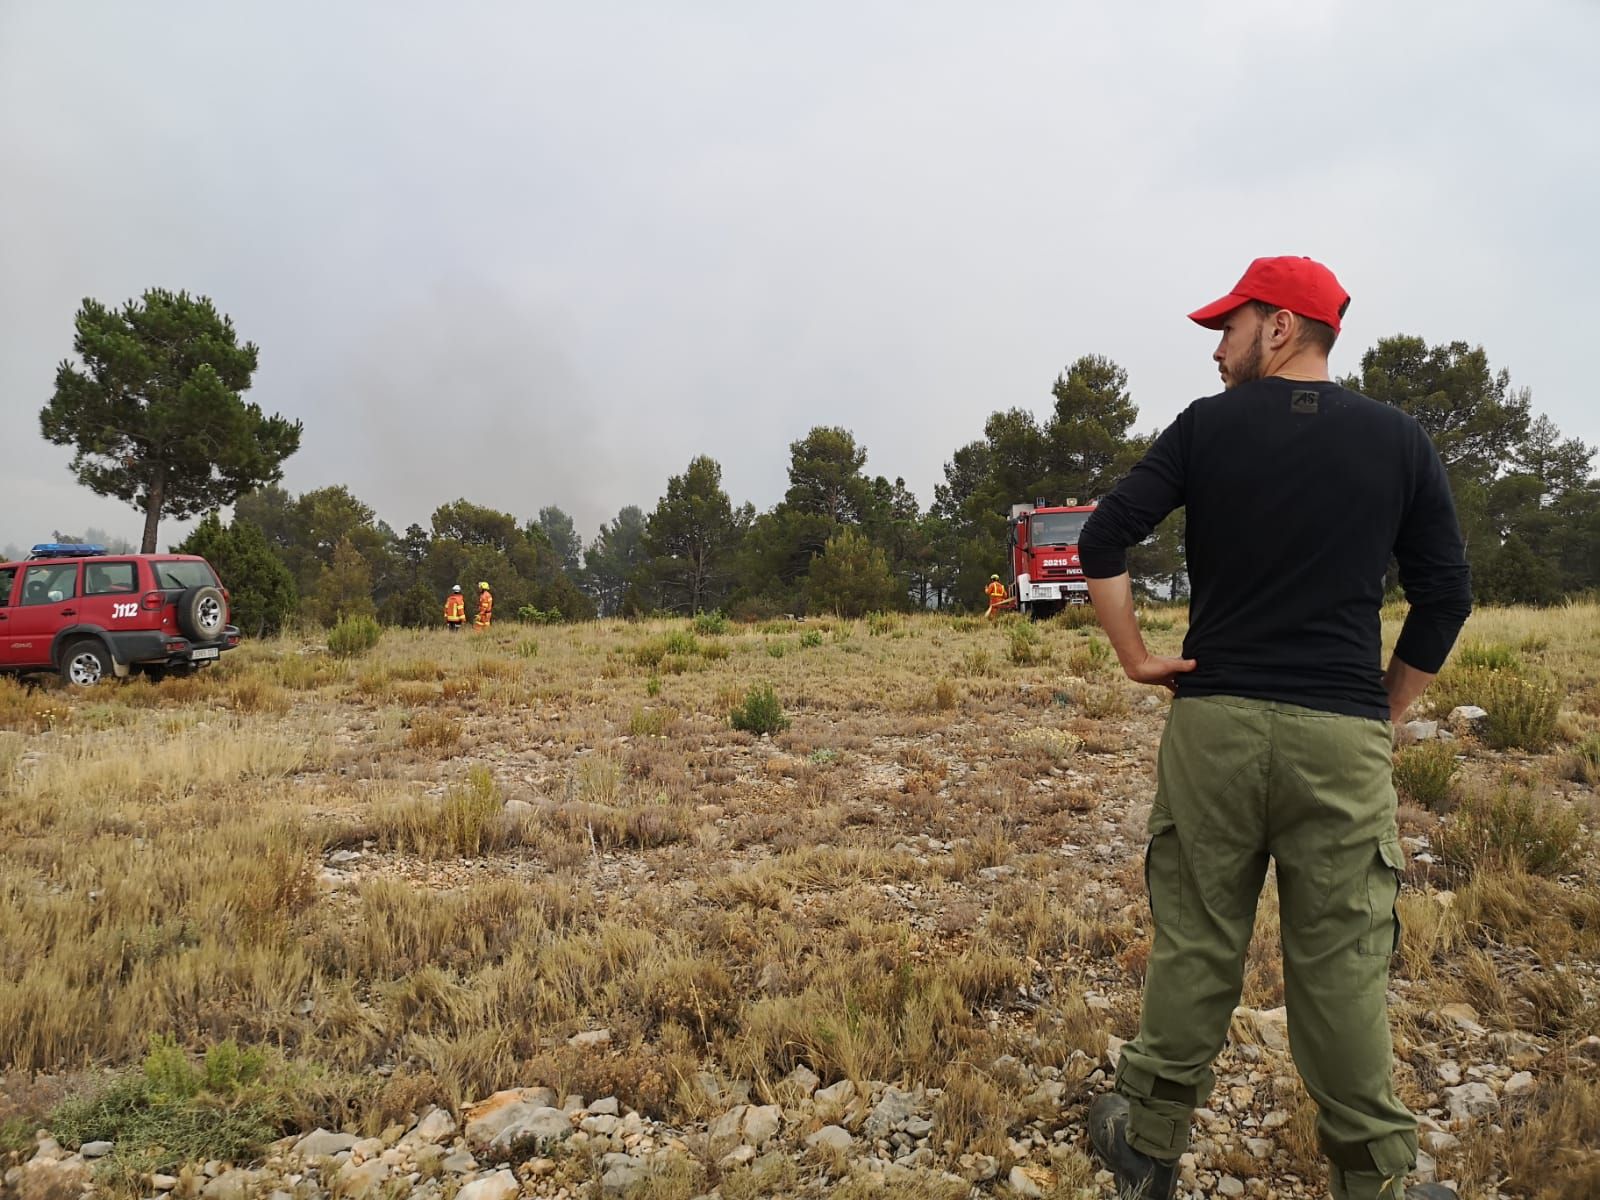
{"x": 1297, "y": 492}
{"x": 996, "y": 591}
{"x": 485, "y": 607}
{"x": 455, "y": 610}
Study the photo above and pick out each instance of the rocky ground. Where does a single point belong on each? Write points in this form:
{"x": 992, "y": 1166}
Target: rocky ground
{"x": 994, "y": 826}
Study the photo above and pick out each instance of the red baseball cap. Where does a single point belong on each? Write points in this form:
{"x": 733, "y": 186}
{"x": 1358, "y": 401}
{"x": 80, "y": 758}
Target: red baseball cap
{"x": 1302, "y": 285}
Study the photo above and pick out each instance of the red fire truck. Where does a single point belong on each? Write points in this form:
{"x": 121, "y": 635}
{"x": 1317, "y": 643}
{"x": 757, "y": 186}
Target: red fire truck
{"x": 1045, "y": 572}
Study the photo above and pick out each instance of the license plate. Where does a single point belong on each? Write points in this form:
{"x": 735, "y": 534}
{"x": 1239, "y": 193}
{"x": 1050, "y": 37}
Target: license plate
{"x": 195, "y": 655}
{"x": 1077, "y": 587}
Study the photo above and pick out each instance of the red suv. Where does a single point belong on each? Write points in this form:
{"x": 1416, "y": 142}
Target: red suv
{"x": 75, "y": 609}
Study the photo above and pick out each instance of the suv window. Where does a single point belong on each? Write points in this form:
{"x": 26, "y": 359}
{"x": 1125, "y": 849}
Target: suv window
{"x": 183, "y": 574}
{"x": 7, "y": 575}
{"x": 49, "y": 583}
{"x": 103, "y": 577}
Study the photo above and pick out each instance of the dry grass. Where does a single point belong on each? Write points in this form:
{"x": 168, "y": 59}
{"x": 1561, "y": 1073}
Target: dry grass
{"x": 447, "y": 855}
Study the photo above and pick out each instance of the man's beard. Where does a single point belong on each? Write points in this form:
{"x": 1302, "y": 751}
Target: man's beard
{"x": 1247, "y": 369}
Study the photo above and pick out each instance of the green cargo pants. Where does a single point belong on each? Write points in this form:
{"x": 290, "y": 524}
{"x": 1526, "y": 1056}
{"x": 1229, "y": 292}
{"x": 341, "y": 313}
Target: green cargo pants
{"x": 1241, "y": 780}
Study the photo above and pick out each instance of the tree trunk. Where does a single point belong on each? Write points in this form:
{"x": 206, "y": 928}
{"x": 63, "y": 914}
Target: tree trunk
{"x": 152, "y": 510}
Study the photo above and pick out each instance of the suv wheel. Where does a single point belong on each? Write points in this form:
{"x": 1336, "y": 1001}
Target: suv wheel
{"x": 202, "y": 614}
{"x": 85, "y": 663}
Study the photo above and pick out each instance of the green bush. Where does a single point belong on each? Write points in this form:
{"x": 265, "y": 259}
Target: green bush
{"x": 681, "y": 642}
{"x": 175, "y": 1111}
{"x": 1512, "y": 829}
{"x": 710, "y": 624}
{"x": 761, "y": 712}
{"x": 652, "y": 686}
{"x": 1584, "y": 765}
{"x": 354, "y": 635}
{"x": 1423, "y": 773}
{"x": 528, "y": 648}
{"x": 880, "y": 623}
{"x": 1080, "y": 616}
{"x": 777, "y": 649}
{"x": 1522, "y": 711}
{"x": 811, "y": 639}
{"x": 535, "y": 615}
{"x": 1491, "y": 655}
{"x": 1026, "y": 646}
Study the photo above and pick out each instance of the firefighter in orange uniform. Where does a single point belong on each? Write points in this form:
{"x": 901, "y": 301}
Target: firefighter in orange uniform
{"x": 455, "y": 610}
{"x": 485, "y": 607}
{"x": 996, "y": 591}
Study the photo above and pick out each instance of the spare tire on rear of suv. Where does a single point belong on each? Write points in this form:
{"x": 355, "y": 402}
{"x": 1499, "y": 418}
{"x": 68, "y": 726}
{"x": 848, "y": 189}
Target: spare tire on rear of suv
{"x": 202, "y": 614}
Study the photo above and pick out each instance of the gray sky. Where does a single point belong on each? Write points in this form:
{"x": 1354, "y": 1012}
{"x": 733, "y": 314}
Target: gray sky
{"x": 539, "y": 254}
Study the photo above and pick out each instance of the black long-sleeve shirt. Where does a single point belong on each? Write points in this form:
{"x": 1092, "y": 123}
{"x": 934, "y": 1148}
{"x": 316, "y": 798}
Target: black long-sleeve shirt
{"x": 1297, "y": 494}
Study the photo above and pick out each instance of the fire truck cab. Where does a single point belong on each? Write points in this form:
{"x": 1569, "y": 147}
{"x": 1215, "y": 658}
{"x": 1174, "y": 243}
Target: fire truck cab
{"x": 1045, "y": 572}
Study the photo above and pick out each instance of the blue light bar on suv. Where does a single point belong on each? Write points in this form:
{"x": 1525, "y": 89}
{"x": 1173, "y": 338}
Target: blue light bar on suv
{"x": 66, "y": 550}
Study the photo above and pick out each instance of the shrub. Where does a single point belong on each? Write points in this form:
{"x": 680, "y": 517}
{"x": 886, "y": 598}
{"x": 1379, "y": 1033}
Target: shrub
{"x": 880, "y": 623}
{"x": 1091, "y": 658}
{"x": 1491, "y": 655}
{"x": 1423, "y": 773}
{"x": 650, "y": 722}
{"x": 761, "y": 712}
{"x": 680, "y": 641}
{"x": 433, "y": 731}
{"x": 354, "y": 635}
{"x": 1081, "y": 616}
{"x": 811, "y": 639}
{"x": 944, "y": 695}
{"x": 710, "y": 624}
{"x": 528, "y": 648}
{"x": 777, "y": 649}
{"x": 175, "y": 1111}
{"x": 1026, "y": 646}
{"x": 652, "y": 686}
{"x": 535, "y": 615}
{"x": 1522, "y": 711}
{"x": 1512, "y": 829}
{"x": 1583, "y": 766}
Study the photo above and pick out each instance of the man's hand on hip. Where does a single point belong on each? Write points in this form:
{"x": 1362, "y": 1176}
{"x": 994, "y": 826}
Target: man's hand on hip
{"x": 1159, "y": 671}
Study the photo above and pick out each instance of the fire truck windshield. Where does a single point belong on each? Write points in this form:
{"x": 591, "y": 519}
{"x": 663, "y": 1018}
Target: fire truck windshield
{"x": 1056, "y": 529}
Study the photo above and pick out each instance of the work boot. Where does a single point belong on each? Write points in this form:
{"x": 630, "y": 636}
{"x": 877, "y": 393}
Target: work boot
{"x": 1138, "y": 1176}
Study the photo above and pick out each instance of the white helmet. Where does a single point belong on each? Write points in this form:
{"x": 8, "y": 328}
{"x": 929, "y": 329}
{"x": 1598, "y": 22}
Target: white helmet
{"x": 457, "y": 588}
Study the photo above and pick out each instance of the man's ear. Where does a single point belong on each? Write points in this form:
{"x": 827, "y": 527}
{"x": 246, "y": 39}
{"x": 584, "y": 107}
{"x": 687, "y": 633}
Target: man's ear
{"x": 1280, "y": 328}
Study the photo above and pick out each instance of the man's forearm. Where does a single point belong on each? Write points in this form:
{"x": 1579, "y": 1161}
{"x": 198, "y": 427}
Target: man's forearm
{"x": 1113, "y": 605}
{"x": 1404, "y": 683}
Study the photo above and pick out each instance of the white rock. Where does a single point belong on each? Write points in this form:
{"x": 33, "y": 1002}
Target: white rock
{"x": 590, "y": 1039}
{"x": 1466, "y": 712}
{"x": 761, "y": 1122}
{"x": 1449, "y": 1072}
{"x": 1420, "y": 731}
{"x": 1229, "y": 1186}
{"x": 803, "y": 1078}
{"x": 502, "y": 1185}
{"x": 322, "y": 1143}
{"x": 830, "y": 1137}
{"x": 1520, "y": 1084}
{"x": 1019, "y": 1182}
{"x": 1437, "y": 1141}
{"x": 604, "y": 1107}
{"x": 737, "y": 1157}
{"x": 434, "y": 1127}
{"x": 96, "y": 1149}
{"x": 1471, "y": 1100}
{"x": 541, "y": 1126}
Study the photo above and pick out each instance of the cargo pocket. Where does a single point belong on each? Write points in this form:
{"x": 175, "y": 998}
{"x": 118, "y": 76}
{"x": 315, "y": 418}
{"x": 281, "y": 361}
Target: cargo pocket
{"x": 1383, "y": 894}
{"x": 1163, "y": 877}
